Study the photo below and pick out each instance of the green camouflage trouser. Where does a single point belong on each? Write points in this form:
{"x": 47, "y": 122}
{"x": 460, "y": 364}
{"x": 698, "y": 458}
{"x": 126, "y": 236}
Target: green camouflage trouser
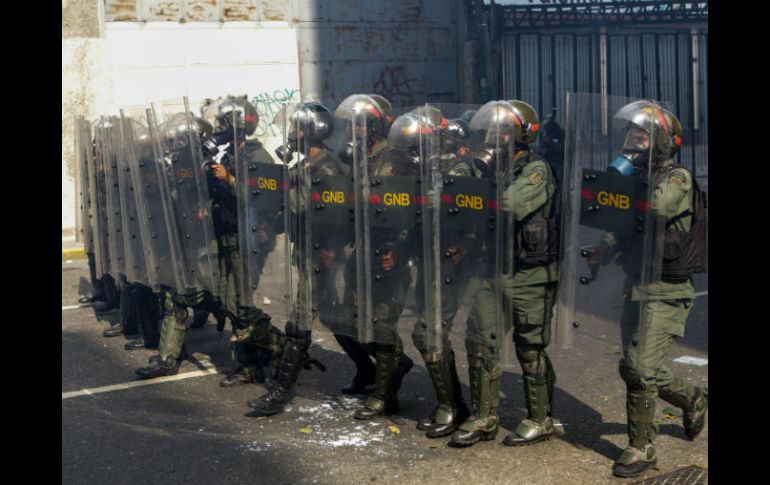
{"x": 253, "y": 333}
{"x": 432, "y": 342}
{"x": 648, "y": 329}
{"x": 174, "y": 326}
{"x": 528, "y": 309}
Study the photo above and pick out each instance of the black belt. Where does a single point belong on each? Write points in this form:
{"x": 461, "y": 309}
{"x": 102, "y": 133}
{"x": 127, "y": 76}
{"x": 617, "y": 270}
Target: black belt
{"x": 675, "y": 281}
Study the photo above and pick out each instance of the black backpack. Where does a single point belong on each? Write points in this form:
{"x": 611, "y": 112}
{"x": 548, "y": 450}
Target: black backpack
{"x": 684, "y": 252}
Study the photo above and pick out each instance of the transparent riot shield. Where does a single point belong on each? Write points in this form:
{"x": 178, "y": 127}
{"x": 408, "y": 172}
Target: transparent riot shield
{"x": 389, "y": 201}
{"x": 97, "y": 188}
{"x": 261, "y": 194}
{"x": 694, "y": 149}
{"x": 320, "y": 218}
{"x": 492, "y": 151}
{"x": 179, "y": 137}
{"x": 129, "y": 130}
{"x": 85, "y": 209}
{"x": 458, "y": 281}
{"x": 107, "y": 133}
{"x": 146, "y": 169}
{"x": 613, "y": 226}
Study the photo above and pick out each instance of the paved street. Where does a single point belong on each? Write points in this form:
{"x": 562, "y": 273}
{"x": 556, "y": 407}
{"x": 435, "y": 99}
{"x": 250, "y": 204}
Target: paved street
{"x": 190, "y": 430}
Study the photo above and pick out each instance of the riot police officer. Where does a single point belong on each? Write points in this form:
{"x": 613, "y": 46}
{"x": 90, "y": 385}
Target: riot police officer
{"x": 319, "y": 234}
{"x": 528, "y": 281}
{"x": 655, "y": 310}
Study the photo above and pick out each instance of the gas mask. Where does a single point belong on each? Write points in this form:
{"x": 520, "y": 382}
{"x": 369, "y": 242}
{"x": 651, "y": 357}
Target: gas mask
{"x": 636, "y": 153}
{"x": 209, "y": 148}
{"x": 284, "y": 152}
{"x": 485, "y": 159}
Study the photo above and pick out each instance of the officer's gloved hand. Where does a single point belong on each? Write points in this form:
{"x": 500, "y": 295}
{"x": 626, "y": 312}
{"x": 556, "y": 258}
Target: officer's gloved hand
{"x": 265, "y": 233}
{"x": 457, "y": 252}
{"x": 388, "y": 260}
{"x": 594, "y": 258}
{"x": 327, "y": 258}
{"x": 220, "y": 173}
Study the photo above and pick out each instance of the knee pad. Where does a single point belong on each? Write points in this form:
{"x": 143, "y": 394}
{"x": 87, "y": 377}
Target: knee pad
{"x": 533, "y": 360}
{"x": 419, "y": 337}
{"x": 180, "y": 314}
{"x": 485, "y": 364}
{"x": 479, "y": 350}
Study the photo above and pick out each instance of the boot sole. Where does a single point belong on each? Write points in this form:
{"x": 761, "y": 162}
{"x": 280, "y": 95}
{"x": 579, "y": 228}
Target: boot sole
{"x": 623, "y": 474}
{"x": 367, "y": 418}
{"x": 355, "y": 392}
{"x": 692, "y": 437}
{"x": 447, "y": 433}
{"x": 155, "y": 376}
{"x": 383, "y": 414}
{"x": 258, "y": 413}
{"x": 540, "y": 438}
{"x": 235, "y": 384}
{"x": 484, "y": 437}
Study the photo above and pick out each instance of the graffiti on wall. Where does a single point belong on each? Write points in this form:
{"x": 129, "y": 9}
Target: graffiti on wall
{"x": 393, "y": 82}
{"x": 268, "y": 104}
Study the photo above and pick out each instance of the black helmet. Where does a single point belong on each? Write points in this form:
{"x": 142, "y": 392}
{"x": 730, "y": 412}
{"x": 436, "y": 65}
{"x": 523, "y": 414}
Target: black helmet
{"x": 525, "y": 131}
{"x": 375, "y": 109}
{"x": 181, "y": 129}
{"x": 231, "y": 115}
{"x": 458, "y": 129}
{"x": 367, "y": 115}
{"x": 307, "y": 123}
{"x": 420, "y": 124}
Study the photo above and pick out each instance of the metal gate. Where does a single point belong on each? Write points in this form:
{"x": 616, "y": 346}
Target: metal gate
{"x": 666, "y": 65}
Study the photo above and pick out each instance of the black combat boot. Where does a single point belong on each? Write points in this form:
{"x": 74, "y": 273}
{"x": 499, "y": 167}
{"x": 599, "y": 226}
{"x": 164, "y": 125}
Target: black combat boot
{"x": 114, "y": 331}
{"x": 292, "y": 362}
{"x": 158, "y": 368}
{"x": 538, "y": 391}
{"x": 199, "y": 319}
{"x": 640, "y": 454}
{"x": 483, "y": 424}
{"x": 365, "y": 370}
{"x": 391, "y": 367}
{"x": 242, "y": 376}
{"x": 451, "y": 410}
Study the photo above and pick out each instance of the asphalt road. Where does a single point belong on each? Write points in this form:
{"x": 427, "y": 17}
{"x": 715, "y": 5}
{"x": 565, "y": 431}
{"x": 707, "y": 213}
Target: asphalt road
{"x": 193, "y": 431}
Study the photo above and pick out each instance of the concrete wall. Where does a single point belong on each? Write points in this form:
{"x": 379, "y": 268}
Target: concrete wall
{"x": 121, "y": 53}
{"x": 405, "y": 50}
{"x": 165, "y": 60}
{"x": 86, "y": 86}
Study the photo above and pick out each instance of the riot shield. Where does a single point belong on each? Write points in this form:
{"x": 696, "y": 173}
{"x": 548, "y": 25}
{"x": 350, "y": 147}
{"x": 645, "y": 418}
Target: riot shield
{"x": 135, "y": 260}
{"x": 320, "y": 224}
{"x": 107, "y": 133}
{"x": 457, "y": 237}
{"x": 492, "y": 150}
{"x": 261, "y": 191}
{"x": 694, "y": 147}
{"x": 85, "y": 209}
{"x": 145, "y": 170}
{"x": 612, "y": 228}
{"x": 98, "y": 194}
{"x": 178, "y": 139}
{"x": 389, "y": 209}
